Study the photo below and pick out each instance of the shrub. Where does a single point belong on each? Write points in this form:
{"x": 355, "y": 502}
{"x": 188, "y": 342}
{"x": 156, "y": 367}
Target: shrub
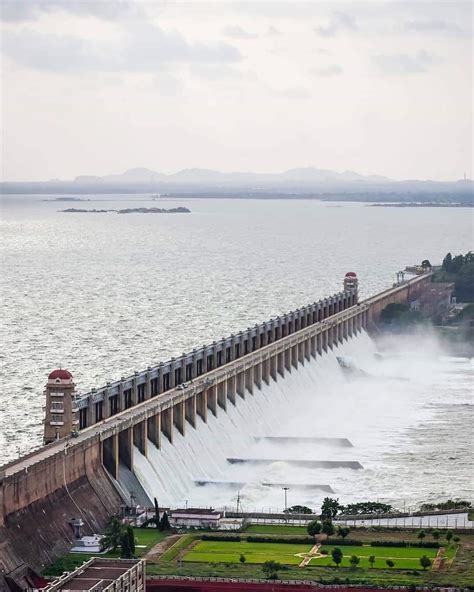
{"x": 271, "y": 569}
{"x": 339, "y": 542}
{"x": 328, "y": 527}
{"x": 354, "y": 561}
{"x": 425, "y": 562}
{"x": 234, "y": 538}
{"x": 427, "y": 545}
{"x": 298, "y": 540}
{"x": 314, "y": 528}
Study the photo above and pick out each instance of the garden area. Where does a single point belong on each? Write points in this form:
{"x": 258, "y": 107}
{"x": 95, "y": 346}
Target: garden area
{"x": 377, "y": 556}
{"x": 322, "y": 551}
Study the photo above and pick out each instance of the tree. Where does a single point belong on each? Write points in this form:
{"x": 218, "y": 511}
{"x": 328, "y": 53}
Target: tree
{"x": 299, "y": 510}
{"x": 112, "y": 535}
{"x": 271, "y": 569}
{"x": 337, "y": 556}
{"x": 314, "y": 528}
{"x": 372, "y": 560}
{"x": 464, "y": 283}
{"x": 449, "y": 536}
{"x": 327, "y": 527}
{"x": 369, "y": 507}
{"x": 425, "y": 562}
{"x": 343, "y": 531}
{"x": 164, "y": 522}
{"x": 131, "y": 538}
{"x": 457, "y": 263}
{"x": 421, "y": 535}
{"x": 354, "y": 561}
{"x": 329, "y": 508}
{"x": 242, "y": 558}
{"x": 447, "y": 261}
{"x": 456, "y": 539}
{"x": 426, "y": 264}
{"x": 436, "y": 534}
{"x": 157, "y": 513}
{"x": 126, "y": 552}
{"x": 390, "y": 563}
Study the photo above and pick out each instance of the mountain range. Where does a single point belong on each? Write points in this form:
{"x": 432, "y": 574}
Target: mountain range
{"x": 308, "y": 181}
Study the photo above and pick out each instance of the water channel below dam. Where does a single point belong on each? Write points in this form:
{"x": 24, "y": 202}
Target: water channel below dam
{"x": 380, "y": 434}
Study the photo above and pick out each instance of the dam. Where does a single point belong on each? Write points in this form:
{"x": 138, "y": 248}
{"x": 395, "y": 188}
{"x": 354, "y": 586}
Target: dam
{"x": 190, "y": 424}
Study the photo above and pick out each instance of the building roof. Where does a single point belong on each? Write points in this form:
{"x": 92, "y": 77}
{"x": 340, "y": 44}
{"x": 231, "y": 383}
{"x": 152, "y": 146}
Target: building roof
{"x": 194, "y": 511}
{"x": 96, "y": 571}
{"x": 61, "y": 373}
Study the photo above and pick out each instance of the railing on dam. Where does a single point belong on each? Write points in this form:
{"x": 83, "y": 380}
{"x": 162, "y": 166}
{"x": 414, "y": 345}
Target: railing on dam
{"x": 125, "y": 393}
{"x": 121, "y": 395}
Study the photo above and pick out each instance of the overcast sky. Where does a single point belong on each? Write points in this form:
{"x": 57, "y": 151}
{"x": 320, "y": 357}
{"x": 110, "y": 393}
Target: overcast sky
{"x": 99, "y": 87}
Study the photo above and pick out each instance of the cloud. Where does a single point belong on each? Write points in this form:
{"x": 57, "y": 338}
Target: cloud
{"x": 328, "y": 71}
{"x": 404, "y": 63}
{"x": 295, "y": 92}
{"x": 340, "y": 21}
{"x": 142, "y": 48}
{"x": 273, "y": 31}
{"x": 29, "y": 10}
{"x": 436, "y": 26}
{"x": 237, "y": 32}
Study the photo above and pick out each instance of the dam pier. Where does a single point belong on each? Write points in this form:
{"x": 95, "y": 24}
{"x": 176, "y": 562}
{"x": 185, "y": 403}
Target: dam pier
{"x": 86, "y": 467}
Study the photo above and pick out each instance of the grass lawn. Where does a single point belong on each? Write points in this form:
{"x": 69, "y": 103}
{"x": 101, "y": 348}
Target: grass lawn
{"x": 229, "y": 552}
{"x": 403, "y": 557}
{"x": 173, "y": 552}
{"x": 276, "y": 529}
{"x": 386, "y": 552}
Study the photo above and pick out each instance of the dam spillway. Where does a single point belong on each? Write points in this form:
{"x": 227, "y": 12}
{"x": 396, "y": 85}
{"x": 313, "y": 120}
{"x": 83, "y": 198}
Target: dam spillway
{"x": 202, "y": 467}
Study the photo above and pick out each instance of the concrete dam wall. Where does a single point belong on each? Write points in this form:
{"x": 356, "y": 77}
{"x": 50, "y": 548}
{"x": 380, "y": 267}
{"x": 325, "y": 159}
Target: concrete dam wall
{"x": 135, "y": 432}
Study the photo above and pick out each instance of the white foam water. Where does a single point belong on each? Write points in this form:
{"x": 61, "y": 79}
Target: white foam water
{"x": 392, "y": 415}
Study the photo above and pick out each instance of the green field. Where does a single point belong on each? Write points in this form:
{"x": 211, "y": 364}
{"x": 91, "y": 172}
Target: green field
{"x": 290, "y": 554}
{"x": 403, "y": 557}
{"x": 229, "y": 552}
{"x": 223, "y": 561}
{"x": 276, "y": 529}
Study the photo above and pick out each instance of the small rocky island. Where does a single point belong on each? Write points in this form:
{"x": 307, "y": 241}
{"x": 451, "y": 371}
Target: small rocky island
{"x": 179, "y": 210}
{"x": 67, "y": 199}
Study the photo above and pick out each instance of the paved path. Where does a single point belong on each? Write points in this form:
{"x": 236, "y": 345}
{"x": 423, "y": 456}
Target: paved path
{"x": 314, "y": 552}
{"x": 155, "y": 552}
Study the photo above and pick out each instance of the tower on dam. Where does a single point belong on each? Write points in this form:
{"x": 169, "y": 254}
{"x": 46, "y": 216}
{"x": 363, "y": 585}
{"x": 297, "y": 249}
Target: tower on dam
{"x": 351, "y": 282}
{"x": 61, "y": 413}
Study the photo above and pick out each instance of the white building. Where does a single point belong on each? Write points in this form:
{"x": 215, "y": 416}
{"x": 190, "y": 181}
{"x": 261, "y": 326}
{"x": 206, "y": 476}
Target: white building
{"x": 195, "y": 518}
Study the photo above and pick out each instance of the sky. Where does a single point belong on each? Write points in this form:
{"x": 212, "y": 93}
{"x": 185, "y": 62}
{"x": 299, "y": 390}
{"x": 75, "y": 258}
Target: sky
{"x": 380, "y": 87}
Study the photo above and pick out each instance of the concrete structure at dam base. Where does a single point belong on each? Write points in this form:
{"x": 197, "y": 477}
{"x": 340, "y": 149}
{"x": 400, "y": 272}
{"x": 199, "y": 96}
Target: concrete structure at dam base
{"x": 76, "y": 473}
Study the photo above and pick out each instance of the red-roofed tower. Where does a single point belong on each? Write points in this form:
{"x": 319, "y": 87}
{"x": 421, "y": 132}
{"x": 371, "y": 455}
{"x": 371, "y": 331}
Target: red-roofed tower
{"x": 351, "y": 283}
{"x": 61, "y": 417}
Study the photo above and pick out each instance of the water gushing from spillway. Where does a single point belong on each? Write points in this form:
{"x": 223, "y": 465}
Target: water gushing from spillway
{"x": 388, "y": 414}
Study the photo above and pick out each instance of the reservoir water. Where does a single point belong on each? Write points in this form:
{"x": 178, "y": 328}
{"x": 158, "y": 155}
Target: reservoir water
{"x": 107, "y": 294}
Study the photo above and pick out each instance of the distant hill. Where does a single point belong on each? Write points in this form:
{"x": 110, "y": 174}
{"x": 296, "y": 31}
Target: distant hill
{"x": 308, "y": 182}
